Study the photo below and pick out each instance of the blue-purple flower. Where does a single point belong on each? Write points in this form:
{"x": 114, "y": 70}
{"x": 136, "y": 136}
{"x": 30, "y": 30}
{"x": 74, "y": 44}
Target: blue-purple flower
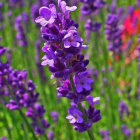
{"x": 83, "y": 82}
{"x": 71, "y": 39}
{"x": 47, "y": 15}
{"x": 62, "y": 48}
{"x": 75, "y": 116}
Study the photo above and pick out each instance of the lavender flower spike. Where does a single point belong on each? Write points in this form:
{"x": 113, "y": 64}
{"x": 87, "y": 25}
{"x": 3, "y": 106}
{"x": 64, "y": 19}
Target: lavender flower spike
{"x": 62, "y": 48}
{"x": 18, "y": 92}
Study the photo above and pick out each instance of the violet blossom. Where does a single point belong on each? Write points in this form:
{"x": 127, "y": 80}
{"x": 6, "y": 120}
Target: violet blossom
{"x": 63, "y": 56}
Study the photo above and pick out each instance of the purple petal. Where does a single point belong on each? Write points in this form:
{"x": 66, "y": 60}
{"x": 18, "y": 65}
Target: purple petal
{"x": 45, "y": 12}
{"x": 79, "y": 120}
{"x": 73, "y": 120}
{"x": 75, "y": 44}
{"x": 69, "y": 117}
{"x": 62, "y": 6}
{"x": 87, "y": 86}
{"x": 79, "y": 88}
{"x": 96, "y": 100}
{"x": 78, "y": 38}
{"x": 67, "y": 44}
{"x": 47, "y": 62}
{"x": 73, "y": 8}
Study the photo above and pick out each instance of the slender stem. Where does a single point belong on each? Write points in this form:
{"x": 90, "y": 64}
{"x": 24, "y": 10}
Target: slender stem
{"x": 90, "y": 134}
{"x": 27, "y": 123}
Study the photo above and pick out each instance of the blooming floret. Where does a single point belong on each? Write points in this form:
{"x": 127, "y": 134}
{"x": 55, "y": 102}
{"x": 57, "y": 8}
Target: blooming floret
{"x": 75, "y": 116}
{"x": 47, "y": 15}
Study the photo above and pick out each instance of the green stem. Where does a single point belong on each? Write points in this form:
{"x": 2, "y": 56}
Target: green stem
{"x": 27, "y": 123}
{"x": 90, "y": 134}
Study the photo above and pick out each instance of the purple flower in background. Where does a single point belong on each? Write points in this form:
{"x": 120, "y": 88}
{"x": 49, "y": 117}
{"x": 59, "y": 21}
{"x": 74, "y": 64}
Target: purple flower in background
{"x": 16, "y": 3}
{"x": 18, "y": 92}
{"x": 2, "y": 50}
{"x": 25, "y": 19}
{"x": 75, "y": 116}
{"x": 125, "y": 131}
{"x": 54, "y": 116}
{"x": 50, "y": 135}
{"x": 113, "y": 33}
{"x": 91, "y": 27}
{"x": 105, "y": 134}
{"x": 21, "y": 37}
{"x": 3, "y": 138}
{"x": 1, "y": 14}
{"x": 91, "y": 6}
{"x": 123, "y": 109}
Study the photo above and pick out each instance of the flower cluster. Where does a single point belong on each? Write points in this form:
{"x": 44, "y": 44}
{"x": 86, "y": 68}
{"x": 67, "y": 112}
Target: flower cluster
{"x": 105, "y": 134}
{"x": 113, "y": 33}
{"x": 63, "y": 48}
{"x": 123, "y": 109}
{"x": 21, "y": 37}
{"x": 91, "y": 6}
{"x": 91, "y": 27}
{"x": 1, "y": 15}
{"x": 3, "y": 138}
{"x": 17, "y": 92}
{"x": 125, "y": 131}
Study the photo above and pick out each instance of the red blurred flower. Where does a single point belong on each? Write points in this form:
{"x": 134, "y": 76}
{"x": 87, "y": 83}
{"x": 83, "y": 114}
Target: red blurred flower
{"x": 132, "y": 24}
{"x": 131, "y": 30}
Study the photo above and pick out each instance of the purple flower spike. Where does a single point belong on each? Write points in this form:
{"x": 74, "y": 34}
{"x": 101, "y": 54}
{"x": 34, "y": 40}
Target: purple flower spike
{"x": 62, "y": 48}
{"x": 2, "y": 50}
{"x": 105, "y": 134}
{"x": 23, "y": 94}
{"x": 50, "y": 135}
{"x": 47, "y": 15}
{"x": 125, "y": 131}
{"x": 75, "y": 116}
